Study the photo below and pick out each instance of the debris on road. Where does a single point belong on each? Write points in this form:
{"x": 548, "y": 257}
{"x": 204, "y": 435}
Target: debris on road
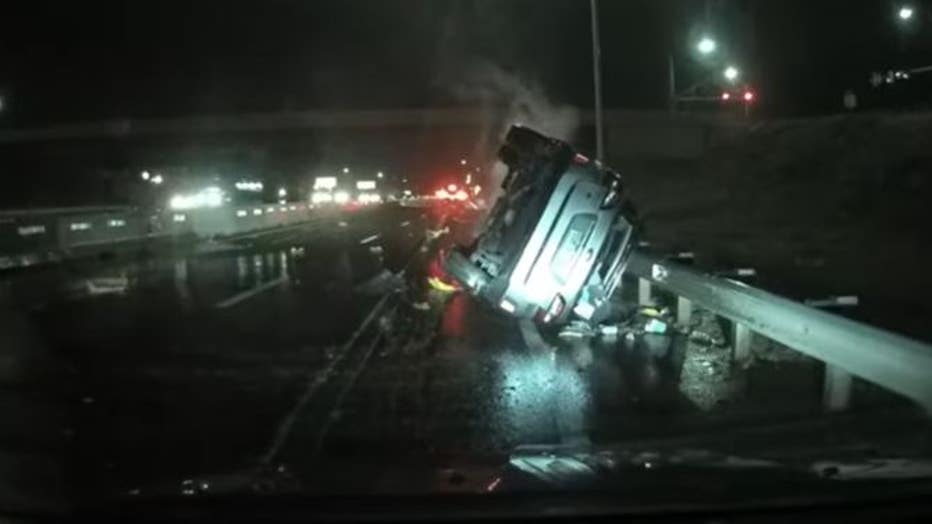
{"x": 655, "y": 326}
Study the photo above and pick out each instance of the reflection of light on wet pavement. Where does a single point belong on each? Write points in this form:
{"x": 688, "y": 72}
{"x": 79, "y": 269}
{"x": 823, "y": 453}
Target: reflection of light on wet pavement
{"x": 181, "y": 280}
{"x": 264, "y": 267}
{"x": 540, "y": 400}
{"x": 242, "y": 271}
{"x": 258, "y": 268}
{"x": 454, "y": 315}
{"x": 283, "y": 261}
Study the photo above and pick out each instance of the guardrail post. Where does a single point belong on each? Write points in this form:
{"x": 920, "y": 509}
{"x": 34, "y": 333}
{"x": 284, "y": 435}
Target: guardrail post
{"x": 684, "y": 310}
{"x": 644, "y": 298}
{"x": 741, "y": 337}
{"x": 836, "y": 388}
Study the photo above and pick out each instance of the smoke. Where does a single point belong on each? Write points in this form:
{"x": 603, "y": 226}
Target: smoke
{"x": 522, "y": 100}
{"x": 504, "y": 98}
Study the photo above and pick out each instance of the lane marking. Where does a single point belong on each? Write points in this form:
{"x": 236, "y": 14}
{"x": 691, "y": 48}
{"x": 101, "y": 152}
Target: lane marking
{"x": 249, "y": 293}
{"x": 369, "y": 239}
{"x": 317, "y": 380}
{"x": 344, "y": 392}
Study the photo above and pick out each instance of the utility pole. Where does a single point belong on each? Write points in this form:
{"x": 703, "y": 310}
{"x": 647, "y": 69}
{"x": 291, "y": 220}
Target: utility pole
{"x": 597, "y": 79}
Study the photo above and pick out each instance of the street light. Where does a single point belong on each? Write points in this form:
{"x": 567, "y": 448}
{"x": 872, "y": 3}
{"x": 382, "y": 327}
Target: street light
{"x": 145, "y": 175}
{"x": 380, "y": 174}
{"x": 731, "y": 73}
{"x": 345, "y": 170}
{"x": 282, "y": 192}
{"x": 906, "y": 13}
{"x": 157, "y": 179}
{"x": 706, "y": 46}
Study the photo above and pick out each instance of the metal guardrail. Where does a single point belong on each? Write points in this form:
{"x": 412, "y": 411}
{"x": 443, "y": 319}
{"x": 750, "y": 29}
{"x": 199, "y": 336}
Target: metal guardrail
{"x": 889, "y": 360}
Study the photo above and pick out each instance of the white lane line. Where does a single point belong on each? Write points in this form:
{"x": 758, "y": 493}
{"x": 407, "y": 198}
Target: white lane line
{"x": 368, "y": 239}
{"x": 406, "y": 223}
{"x": 249, "y": 293}
{"x": 317, "y": 381}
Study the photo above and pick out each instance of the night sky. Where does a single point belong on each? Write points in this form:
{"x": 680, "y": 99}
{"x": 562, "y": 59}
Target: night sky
{"x": 71, "y": 61}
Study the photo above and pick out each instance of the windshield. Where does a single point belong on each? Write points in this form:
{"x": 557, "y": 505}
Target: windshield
{"x": 249, "y": 248}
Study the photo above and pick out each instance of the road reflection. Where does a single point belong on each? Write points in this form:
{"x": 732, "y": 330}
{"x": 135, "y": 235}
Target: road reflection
{"x": 540, "y": 399}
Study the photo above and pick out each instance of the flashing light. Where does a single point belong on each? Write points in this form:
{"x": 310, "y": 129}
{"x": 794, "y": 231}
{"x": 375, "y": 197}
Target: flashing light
{"x": 244, "y": 185}
{"x": 325, "y": 182}
{"x": 321, "y": 197}
{"x": 369, "y": 198}
{"x": 208, "y": 197}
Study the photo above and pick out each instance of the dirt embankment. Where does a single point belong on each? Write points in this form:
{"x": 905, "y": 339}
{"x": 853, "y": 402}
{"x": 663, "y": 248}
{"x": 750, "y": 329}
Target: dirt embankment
{"x": 839, "y": 205}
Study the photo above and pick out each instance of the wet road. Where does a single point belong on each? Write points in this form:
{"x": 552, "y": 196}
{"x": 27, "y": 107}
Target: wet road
{"x": 296, "y": 359}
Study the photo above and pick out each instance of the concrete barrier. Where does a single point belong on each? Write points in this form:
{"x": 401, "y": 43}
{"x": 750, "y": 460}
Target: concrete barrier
{"x": 36, "y": 236}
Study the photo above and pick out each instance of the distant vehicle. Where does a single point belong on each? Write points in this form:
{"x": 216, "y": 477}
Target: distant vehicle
{"x": 556, "y": 242}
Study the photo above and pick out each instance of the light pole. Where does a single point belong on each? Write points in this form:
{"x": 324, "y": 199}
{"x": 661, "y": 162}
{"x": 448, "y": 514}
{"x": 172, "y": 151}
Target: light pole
{"x": 597, "y": 78}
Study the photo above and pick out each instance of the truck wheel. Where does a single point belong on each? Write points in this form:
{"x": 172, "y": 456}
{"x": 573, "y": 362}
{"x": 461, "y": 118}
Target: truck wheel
{"x": 465, "y": 272}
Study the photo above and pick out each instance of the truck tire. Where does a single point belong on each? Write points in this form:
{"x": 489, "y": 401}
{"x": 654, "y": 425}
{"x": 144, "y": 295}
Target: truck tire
{"x": 465, "y": 272}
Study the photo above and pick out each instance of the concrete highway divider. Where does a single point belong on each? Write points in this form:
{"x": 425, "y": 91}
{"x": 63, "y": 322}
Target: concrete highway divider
{"x": 30, "y": 237}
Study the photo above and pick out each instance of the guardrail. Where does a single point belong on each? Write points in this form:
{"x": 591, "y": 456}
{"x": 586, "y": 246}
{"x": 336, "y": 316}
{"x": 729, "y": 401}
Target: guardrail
{"x": 847, "y": 347}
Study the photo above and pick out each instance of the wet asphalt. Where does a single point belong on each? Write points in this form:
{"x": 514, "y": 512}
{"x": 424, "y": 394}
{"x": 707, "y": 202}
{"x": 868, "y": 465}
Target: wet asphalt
{"x": 302, "y": 359}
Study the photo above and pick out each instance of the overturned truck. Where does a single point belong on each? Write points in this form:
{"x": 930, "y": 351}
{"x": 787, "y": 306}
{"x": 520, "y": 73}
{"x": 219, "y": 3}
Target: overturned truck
{"x": 555, "y": 243}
